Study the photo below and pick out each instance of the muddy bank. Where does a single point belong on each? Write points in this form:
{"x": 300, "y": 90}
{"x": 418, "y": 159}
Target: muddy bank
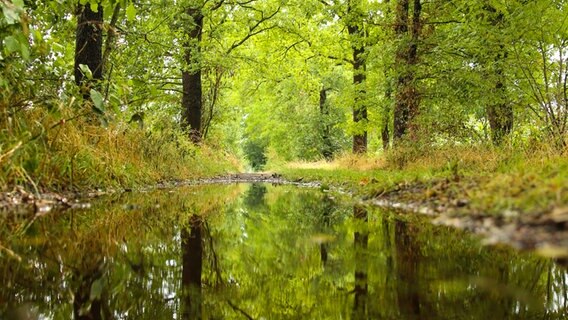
{"x": 246, "y": 177}
{"x": 546, "y": 231}
{"x": 22, "y": 200}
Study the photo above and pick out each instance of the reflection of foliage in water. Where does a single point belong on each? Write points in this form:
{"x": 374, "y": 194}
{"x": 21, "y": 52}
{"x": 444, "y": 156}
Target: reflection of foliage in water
{"x": 280, "y": 252}
{"x": 254, "y": 197}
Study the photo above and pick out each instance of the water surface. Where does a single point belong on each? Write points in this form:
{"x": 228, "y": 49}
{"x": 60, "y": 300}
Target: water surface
{"x": 261, "y": 252}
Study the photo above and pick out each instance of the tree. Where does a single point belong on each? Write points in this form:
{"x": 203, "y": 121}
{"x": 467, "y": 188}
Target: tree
{"x": 499, "y": 112}
{"x": 192, "y": 95}
{"x": 354, "y": 22}
{"x": 327, "y": 147}
{"x": 540, "y": 50}
{"x": 407, "y": 97}
{"x": 88, "y": 47}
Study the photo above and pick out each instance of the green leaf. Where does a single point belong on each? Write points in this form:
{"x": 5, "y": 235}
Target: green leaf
{"x": 130, "y": 12}
{"x": 98, "y": 103}
{"x": 96, "y": 289}
{"x": 11, "y": 14}
{"x": 94, "y": 7}
{"x": 86, "y": 71}
{"x": 25, "y": 52}
{"x": 12, "y": 44}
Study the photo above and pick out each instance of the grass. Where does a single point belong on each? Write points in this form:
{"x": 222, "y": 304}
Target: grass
{"x": 489, "y": 180}
{"x": 41, "y": 152}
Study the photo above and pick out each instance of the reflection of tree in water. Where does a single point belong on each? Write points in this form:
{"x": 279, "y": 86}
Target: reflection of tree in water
{"x": 325, "y": 224}
{"x": 360, "y": 244}
{"x": 254, "y": 197}
{"x": 198, "y": 257}
{"x": 402, "y": 269}
{"x": 192, "y": 266}
{"x": 407, "y": 267}
{"x": 90, "y": 300}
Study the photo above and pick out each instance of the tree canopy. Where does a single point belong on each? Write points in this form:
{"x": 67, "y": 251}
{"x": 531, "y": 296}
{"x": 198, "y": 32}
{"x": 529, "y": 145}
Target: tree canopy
{"x": 293, "y": 79}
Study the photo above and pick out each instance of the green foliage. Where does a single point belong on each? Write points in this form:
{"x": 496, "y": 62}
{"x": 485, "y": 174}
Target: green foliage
{"x": 264, "y": 65}
{"x": 255, "y": 153}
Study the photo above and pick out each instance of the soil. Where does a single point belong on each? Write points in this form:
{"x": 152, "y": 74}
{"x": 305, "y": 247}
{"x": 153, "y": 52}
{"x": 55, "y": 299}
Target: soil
{"x": 545, "y": 232}
{"x": 21, "y": 200}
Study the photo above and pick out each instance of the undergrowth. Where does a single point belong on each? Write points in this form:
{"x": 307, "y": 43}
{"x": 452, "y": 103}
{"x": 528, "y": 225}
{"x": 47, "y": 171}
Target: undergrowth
{"x": 40, "y": 151}
{"x": 529, "y": 179}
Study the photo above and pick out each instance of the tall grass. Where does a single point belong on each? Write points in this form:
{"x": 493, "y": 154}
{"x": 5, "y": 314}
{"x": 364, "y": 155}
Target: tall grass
{"x": 43, "y": 152}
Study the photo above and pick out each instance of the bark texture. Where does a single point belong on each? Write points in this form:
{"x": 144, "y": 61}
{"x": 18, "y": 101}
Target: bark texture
{"x": 356, "y": 32}
{"x": 192, "y": 97}
{"x": 407, "y": 97}
{"x": 327, "y": 148}
{"x": 500, "y": 113}
{"x": 89, "y": 47}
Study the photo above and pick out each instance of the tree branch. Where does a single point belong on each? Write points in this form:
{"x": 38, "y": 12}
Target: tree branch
{"x": 253, "y": 30}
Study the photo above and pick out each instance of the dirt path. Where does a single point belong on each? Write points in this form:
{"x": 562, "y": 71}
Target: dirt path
{"x": 20, "y": 199}
{"x": 247, "y": 177}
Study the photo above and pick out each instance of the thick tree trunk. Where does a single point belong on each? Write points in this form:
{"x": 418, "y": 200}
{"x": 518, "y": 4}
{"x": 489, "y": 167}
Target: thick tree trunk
{"x": 360, "y": 109}
{"x": 191, "y": 77}
{"x": 359, "y": 75}
{"x": 500, "y": 114}
{"x": 88, "y": 47}
{"x": 407, "y": 98}
{"x": 327, "y": 151}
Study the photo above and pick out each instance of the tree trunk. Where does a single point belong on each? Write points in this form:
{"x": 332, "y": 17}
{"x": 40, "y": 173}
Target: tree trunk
{"x": 191, "y": 77}
{"x": 359, "y": 76}
{"x": 327, "y": 151}
{"x": 385, "y": 132}
{"x": 89, "y": 47}
{"x": 407, "y": 99}
{"x": 360, "y": 110}
{"x": 500, "y": 113}
{"x": 110, "y": 40}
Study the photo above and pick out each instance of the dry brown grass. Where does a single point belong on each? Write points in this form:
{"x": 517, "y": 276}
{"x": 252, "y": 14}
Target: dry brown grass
{"x": 344, "y": 161}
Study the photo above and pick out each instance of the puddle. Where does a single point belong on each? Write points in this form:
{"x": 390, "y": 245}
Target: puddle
{"x": 258, "y": 251}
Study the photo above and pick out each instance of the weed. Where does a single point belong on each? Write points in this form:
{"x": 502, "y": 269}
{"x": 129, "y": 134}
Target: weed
{"x": 38, "y": 149}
